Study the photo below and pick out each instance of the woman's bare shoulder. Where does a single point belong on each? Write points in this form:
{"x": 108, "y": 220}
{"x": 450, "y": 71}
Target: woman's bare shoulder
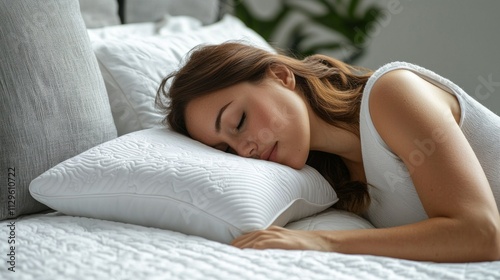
{"x": 402, "y": 93}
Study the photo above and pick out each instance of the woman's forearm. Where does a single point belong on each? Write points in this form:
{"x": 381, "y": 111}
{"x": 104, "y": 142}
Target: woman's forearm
{"x": 435, "y": 239}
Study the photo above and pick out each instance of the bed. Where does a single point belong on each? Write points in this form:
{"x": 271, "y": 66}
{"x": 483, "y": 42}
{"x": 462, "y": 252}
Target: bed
{"x": 56, "y": 246}
{"x": 98, "y": 170}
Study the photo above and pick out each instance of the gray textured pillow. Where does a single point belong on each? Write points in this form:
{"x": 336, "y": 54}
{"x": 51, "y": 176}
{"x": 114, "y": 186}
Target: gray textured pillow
{"x": 53, "y": 102}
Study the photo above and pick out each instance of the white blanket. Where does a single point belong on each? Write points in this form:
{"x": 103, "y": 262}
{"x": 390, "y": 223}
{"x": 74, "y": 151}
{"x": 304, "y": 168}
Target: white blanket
{"x": 54, "y": 246}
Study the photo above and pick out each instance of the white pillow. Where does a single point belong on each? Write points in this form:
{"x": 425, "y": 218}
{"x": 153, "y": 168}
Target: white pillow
{"x": 133, "y": 67}
{"x": 168, "y": 25}
{"x": 331, "y": 219}
{"x": 159, "y": 178}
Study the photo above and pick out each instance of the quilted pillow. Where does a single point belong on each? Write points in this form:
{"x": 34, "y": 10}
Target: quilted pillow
{"x": 53, "y": 102}
{"x": 133, "y": 66}
{"x": 159, "y": 178}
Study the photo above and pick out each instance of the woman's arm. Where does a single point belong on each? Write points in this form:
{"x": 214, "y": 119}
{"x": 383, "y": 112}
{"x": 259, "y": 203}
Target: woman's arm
{"x": 463, "y": 224}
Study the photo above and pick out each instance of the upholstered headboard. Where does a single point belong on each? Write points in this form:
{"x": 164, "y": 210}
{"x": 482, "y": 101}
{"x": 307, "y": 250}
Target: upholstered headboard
{"x": 99, "y": 13}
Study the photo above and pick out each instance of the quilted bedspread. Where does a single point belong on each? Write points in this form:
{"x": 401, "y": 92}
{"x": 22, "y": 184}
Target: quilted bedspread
{"x": 55, "y": 246}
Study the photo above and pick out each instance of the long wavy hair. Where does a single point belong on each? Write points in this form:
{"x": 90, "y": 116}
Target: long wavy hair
{"x": 332, "y": 88}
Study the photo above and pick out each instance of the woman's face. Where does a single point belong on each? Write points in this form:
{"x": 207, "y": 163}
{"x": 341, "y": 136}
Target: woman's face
{"x": 267, "y": 121}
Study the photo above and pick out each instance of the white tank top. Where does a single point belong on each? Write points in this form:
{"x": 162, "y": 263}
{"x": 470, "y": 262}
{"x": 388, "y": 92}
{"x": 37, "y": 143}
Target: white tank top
{"x": 394, "y": 200}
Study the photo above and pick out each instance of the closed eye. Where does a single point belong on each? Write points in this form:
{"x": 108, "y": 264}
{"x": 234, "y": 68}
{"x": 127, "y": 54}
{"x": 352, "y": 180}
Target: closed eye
{"x": 242, "y": 121}
{"x": 228, "y": 149}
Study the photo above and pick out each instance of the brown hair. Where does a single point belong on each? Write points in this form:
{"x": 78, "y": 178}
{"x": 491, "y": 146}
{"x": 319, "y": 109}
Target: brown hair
{"x": 332, "y": 88}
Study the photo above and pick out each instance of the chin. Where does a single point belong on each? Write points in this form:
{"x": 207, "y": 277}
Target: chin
{"x": 297, "y": 163}
{"x": 295, "y": 158}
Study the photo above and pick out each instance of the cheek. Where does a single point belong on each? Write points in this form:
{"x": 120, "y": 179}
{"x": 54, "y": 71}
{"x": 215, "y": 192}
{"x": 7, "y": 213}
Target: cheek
{"x": 282, "y": 118}
{"x": 274, "y": 115}
{"x": 260, "y": 130}
{"x": 266, "y": 135}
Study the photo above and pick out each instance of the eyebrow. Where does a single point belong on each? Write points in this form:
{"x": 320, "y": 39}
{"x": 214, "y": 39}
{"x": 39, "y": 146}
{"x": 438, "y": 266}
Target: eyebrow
{"x": 219, "y": 116}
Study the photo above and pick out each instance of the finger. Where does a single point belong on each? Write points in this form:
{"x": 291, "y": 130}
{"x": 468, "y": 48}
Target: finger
{"x": 249, "y": 240}
{"x": 268, "y": 243}
{"x": 276, "y": 228}
{"x": 258, "y": 242}
{"x": 242, "y": 239}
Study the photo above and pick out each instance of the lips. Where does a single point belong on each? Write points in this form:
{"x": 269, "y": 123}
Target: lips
{"x": 270, "y": 154}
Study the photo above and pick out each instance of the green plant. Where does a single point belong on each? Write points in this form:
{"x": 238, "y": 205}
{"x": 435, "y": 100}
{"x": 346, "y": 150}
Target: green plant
{"x": 341, "y": 24}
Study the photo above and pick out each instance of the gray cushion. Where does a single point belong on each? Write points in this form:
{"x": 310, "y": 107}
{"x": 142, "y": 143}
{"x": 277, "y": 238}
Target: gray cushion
{"x": 53, "y": 102}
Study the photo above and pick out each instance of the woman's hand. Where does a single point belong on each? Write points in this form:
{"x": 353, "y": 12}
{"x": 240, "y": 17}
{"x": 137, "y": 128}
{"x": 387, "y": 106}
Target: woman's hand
{"x": 281, "y": 238}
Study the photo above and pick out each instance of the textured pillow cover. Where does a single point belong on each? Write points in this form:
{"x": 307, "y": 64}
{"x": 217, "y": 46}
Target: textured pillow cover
{"x": 133, "y": 67}
{"x": 53, "y": 102}
{"x": 159, "y": 178}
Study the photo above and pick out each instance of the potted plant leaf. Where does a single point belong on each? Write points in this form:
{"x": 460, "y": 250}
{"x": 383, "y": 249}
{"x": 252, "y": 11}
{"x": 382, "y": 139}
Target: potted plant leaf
{"x": 305, "y": 27}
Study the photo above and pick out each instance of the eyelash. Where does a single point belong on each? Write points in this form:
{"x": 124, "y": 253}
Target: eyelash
{"x": 240, "y": 124}
{"x": 242, "y": 121}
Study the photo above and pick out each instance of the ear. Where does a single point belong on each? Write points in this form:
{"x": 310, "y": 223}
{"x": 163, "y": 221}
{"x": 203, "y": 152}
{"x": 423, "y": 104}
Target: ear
{"x": 283, "y": 75}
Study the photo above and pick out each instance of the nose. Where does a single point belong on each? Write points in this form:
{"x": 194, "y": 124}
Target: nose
{"x": 246, "y": 147}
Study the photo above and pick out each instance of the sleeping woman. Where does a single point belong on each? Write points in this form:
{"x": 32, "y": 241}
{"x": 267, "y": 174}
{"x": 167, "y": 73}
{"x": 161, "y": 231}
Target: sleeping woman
{"x": 402, "y": 146}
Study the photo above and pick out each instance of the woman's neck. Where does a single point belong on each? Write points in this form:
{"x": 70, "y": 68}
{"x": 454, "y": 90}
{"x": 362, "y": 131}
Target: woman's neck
{"x": 331, "y": 139}
{"x": 342, "y": 142}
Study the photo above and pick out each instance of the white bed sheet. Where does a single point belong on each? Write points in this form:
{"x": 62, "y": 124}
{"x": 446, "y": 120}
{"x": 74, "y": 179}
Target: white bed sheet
{"x": 55, "y": 246}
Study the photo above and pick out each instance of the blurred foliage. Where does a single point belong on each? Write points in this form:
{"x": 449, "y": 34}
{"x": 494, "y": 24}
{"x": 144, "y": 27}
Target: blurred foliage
{"x": 346, "y": 19}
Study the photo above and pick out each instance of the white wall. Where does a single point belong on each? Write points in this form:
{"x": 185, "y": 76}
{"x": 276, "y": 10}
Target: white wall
{"x": 458, "y": 39}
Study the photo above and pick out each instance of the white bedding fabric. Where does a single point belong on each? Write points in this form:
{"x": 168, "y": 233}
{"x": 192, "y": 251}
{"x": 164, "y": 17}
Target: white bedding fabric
{"x": 54, "y": 246}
